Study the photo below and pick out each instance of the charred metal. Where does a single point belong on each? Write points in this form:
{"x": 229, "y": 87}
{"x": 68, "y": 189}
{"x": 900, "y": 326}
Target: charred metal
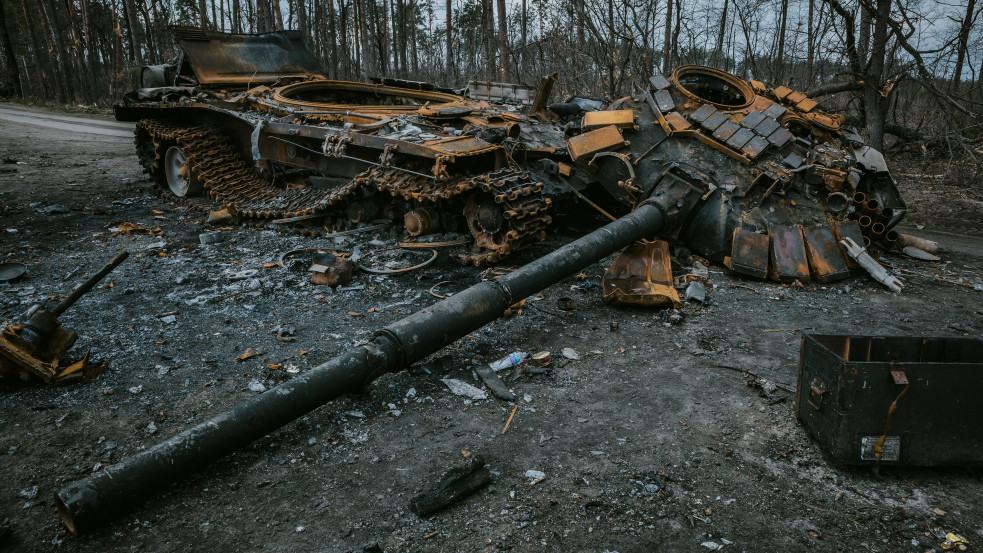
{"x": 251, "y": 121}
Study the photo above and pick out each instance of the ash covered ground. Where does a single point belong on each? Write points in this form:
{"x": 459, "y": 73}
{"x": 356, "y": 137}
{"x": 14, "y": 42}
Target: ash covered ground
{"x": 658, "y": 438}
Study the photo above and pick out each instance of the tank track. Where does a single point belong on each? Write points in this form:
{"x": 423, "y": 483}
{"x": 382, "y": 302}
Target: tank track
{"x": 231, "y": 181}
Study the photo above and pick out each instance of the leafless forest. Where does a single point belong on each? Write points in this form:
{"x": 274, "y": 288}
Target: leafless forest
{"x": 907, "y": 72}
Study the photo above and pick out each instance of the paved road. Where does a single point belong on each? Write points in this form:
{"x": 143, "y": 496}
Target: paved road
{"x": 80, "y": 125}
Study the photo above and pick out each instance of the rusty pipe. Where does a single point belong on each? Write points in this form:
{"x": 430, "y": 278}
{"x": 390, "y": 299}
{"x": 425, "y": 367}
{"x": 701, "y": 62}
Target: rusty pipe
{"x": 929, "y": 246}
{"x": 837, "y": 202}
{"x": 43, "y": 323}
{"x": 877, "y": 228}
{"x": 86, "y": 502}
{"x": 864, "y": 221}
{"x": 892, "y": 236}
{"x": 83, "y": 288}
{"x": 859, "y": 198}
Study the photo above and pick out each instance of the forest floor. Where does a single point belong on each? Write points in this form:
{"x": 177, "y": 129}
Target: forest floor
{"x": 655, "y": 439}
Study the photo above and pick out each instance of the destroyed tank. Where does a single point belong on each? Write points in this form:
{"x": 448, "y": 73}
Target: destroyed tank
{"x": 757, "y": 178}
{"x": 250, "y": 121}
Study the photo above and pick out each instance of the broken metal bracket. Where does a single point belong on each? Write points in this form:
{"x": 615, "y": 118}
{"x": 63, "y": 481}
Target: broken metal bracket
{"x": 898, "y": 374}
{"x": 817, "y": 393}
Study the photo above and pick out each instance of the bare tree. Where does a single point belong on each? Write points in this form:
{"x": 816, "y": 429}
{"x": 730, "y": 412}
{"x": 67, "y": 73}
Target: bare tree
{"x": 963, "y": 42}
{"x": 202, "y": 12}
{"x": 503, "y": 40}
{"x": 10, "y": 59}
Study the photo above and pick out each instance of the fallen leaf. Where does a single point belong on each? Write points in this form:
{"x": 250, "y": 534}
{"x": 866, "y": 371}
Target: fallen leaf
{"x": 356, "y": 314}
{"x": 303, "y": 352}
{"x": 268, "y": 265}
{"x": 158, "y": 212}
{"x": 274, "y": 366}
{"x": 249, "y": 353}
{"x": 938, "y": 511}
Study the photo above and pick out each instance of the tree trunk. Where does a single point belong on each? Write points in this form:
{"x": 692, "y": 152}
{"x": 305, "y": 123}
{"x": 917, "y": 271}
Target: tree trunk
{"x": 399, "y": 38}
{"x": 367, "y": 67}
{"x": 414, "y": 57}
{"x": 962, "y": 45}
{"x": 810, "y": 44}
{"x": 277, "y": 15}
{"x": 63, "y": 55}
{"x": 202, "y": 12}
{"x": 60, "y": 78}
{"x": 90, "y": 50}
{"x": 718, "y": 53}
{"x": 9, "y": 57}
{"x": 875, "y": 104}
{"x": 448, "y": 26}
{"x": 263, "y": 16}
{"x": 82, "y": 71}
{"x": 154, "y": 49}
{"x": 503, "y": 41}
{"x": 522, "y": 50}
{"x": 863, "y": 41}
{"x": 612, "y": 49}
{"x": 780, "y": 62}
{"x": 489, "y": 38}
{"x": 342, "y": 31}
{"x": 333, "y": 40}
{"x": 667, "y": 43}
{"x": 675, "y": 31}
{"x": 302, "y": 18}
{"x": 385, "y": 38}
{"x": 236, "y": 19}
{"x": 136, "y": 31}
{"x": 579, "y": 8}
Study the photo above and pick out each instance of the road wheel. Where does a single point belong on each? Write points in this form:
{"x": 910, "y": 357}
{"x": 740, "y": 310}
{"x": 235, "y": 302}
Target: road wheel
{"x": 180, "y": 179}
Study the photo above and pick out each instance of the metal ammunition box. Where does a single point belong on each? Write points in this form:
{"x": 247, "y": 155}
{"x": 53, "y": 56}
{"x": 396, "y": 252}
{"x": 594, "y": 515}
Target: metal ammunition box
{"x": 893, "y": 400}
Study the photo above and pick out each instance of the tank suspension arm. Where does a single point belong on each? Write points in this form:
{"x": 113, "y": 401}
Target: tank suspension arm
{"x": 96, "y": 498}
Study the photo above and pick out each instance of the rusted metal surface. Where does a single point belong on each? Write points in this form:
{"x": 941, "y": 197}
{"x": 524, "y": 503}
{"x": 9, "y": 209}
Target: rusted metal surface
{"x": 788, "y": 255}
{"x": 767, "y": 157}
{"x": 621, "y": 118}
{"x": 221, "y": 59}
{"x": 501, "y": 92}
{"x": 33, "y": 350}
{"x": 641, "y": 275}
{"x": 606, "y": 139}
{"x": 824, "y": 255}
{"x": 750, "y": 253}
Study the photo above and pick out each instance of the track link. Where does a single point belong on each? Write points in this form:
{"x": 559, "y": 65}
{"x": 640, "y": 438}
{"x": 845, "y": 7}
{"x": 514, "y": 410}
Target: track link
{"x": 232, "y": 182}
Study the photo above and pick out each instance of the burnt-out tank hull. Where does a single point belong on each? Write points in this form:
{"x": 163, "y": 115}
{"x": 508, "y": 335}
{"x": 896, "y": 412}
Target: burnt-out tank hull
{"x": 786, "y": 182}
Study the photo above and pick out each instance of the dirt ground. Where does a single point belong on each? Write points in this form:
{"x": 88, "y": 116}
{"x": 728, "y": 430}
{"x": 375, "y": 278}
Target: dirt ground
{"x": 652, "y": 441}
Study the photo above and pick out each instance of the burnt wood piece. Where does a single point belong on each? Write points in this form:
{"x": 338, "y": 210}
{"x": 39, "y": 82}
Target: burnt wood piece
{"x": 457, "y": 484}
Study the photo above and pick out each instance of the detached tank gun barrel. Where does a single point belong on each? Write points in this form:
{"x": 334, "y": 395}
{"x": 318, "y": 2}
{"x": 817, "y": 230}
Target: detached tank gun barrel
{"x": 84, "y": 503}
{"x": 84, "y": 288}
